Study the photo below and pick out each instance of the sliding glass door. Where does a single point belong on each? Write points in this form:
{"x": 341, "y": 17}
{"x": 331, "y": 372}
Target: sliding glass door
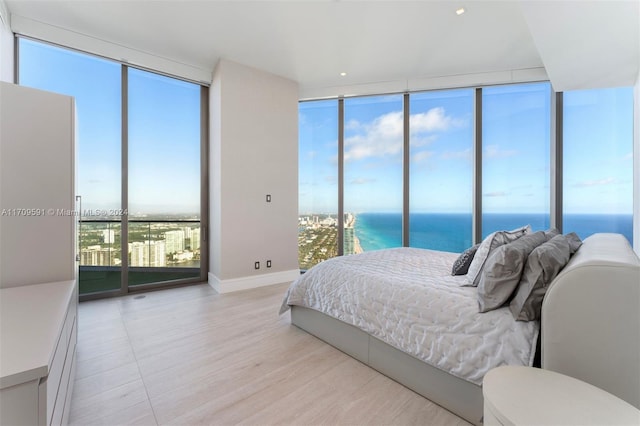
{"x": 164, "y": 178}
{"x": 141, "y": 141}
{"x": 98, "y": 148}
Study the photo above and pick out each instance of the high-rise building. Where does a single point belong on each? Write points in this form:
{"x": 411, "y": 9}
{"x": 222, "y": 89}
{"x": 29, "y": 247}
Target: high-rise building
{"x": 148, "y": 253}
{"x": 349, "y": 233}
{"x": 349, "y": 240}
{"x": 108, "y": 236}
{"x": 97, "y": 256}
{"x": 137, "y": 253}
{"x": 157, "y": 253}
{"x": 195, "y": 239}
{"x": 174, "y": 241}
{"x": 187, "y": 231}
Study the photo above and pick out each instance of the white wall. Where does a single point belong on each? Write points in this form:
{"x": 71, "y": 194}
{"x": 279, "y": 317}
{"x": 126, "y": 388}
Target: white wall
{"x": 253, "y": 152}
{"x": 636, "y": 167}
{"x": 6, "y": 45}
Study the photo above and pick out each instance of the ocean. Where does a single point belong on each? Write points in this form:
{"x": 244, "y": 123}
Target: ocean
{"x": 452, "y": 232}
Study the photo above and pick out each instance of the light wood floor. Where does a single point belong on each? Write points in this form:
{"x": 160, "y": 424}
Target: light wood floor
{"x": 190, "y": 356}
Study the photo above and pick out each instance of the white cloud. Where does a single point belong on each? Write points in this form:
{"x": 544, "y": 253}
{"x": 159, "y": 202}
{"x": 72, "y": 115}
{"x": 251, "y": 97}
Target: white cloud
{"x": 495, "y": 194}
{"x": 383, "y": 136}
{"x": 361, "y": 181}
{"x": 422, "y": 140}
{"x": 331, "y": 179}
{"x": 494, "y": 151}
{"x": 431, "y": 121}
{"x": 597, "y": 182}
{"x": 352, "y": 125}
{"x": 453, "y": 155}
{"x": 422, "y": 156}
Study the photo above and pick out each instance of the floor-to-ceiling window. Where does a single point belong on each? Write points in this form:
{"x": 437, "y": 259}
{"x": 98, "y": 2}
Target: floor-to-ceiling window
{"x": 598, "y": 161}
{"x": 164, "y": 178}
{"x": 139, "y": 175}
{"x": 95, "y": 84}
{"x": 483, "y": 156}
{"x": 516, "y": 156}
{"x": 318, "y": 182}
{"x": 373, "y": 173}
{"x": 441, "y": 169}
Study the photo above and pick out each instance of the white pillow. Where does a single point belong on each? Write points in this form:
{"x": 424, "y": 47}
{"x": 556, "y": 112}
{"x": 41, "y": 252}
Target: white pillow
{"x": 490, "y": 243}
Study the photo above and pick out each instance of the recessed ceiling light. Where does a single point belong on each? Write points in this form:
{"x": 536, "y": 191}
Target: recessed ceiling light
{"x": 459, "y": 11}
{"x": 343, "y": 73}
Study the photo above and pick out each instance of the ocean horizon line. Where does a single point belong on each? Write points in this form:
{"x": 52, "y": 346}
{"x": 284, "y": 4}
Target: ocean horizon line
{"x": 453, "y": 232}
{"x": 465, "y": 213}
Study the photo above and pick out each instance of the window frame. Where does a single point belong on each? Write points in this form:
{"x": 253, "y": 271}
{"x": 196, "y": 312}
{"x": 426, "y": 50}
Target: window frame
{"x": 125, "y": 288}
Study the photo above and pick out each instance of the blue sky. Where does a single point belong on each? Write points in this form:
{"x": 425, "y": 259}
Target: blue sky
{"x": 516, "y": 157}
{"x": 164, "y": 144}
{"x": 164, "y": 130}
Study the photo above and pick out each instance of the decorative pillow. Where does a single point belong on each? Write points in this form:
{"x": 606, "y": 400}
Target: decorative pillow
{"x": 543, "y": 264}
{"x": 503, "y": 269}
{"x": 490, "y": 243}
{"x": 551, "y": 232}
{"x": 574, "y": 242}
{"x": 461, "y": 265}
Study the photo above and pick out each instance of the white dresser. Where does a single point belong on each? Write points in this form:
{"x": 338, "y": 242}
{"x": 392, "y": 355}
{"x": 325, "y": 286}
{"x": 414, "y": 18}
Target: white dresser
{"x": 38, "y": 290}
{"x": 38, "y": 329}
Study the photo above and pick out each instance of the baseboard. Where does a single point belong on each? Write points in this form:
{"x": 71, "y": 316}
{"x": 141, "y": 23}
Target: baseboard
{"x": 245, "y": 283}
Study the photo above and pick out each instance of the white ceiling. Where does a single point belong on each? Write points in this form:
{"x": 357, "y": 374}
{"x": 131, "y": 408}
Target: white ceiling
{"x": 580, "y": 43}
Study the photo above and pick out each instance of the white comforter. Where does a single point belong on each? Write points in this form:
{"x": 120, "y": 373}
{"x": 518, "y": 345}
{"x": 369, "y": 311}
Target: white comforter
{"x": 407, "y": 298}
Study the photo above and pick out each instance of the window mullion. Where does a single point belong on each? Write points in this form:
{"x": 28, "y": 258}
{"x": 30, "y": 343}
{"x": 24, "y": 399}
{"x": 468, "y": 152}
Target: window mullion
{"x": 340, "y": 176}
{"x": 124, "y": 220}
{"x": 477, "y": 169}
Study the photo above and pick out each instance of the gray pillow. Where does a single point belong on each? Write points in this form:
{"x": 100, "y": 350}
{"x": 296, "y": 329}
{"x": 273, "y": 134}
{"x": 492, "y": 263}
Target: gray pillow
{"x": 551, "y": 232}
{"x": 461, "y": 265}
{"x": 543, "y": 264}
{"x": 503, "y": 269}
{"x": 574, "y": 242}
{"x": 490, "y": 243}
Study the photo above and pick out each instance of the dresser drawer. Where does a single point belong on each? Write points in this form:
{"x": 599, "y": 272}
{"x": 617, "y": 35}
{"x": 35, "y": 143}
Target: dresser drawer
{"x": 51, "y": 386}
{"x": 60, "y": 402}
{"x": 39, "y": 325}
{"x": 17, "y": 404}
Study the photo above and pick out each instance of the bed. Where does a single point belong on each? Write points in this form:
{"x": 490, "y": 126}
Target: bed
{"x": 401, "y": 312}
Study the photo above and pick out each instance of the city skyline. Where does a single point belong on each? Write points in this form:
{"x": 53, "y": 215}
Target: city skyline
{"x": 159, "y": 245}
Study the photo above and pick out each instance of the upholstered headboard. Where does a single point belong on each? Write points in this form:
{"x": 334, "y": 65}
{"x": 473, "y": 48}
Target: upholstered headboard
{"x": 591, "y": 317}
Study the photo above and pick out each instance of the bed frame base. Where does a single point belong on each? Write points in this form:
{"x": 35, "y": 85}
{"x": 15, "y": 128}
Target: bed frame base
{"x": 456, "y": 395}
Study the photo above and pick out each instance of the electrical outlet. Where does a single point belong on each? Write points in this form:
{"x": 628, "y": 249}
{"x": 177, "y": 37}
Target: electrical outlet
{"x": 257, "y": 265}
{"x": 268, "y": 264}
{"x": 268, "y": 198}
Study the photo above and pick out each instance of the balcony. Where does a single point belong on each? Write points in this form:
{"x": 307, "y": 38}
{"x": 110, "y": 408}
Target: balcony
{"x": 158, "y": 251}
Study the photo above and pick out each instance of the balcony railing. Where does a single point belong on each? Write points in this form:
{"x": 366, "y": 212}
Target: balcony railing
{"x": 157, "y": 251}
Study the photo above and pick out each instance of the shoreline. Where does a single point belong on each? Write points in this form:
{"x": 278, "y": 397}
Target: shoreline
{"x": 351, "y": 223}
{"x": 357, "y": 248}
